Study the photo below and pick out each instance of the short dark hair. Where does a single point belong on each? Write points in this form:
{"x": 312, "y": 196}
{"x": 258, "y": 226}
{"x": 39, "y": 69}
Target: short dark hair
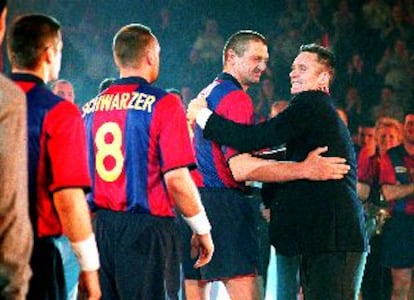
{"x": 130, "y": 43}
{"x": 53, "y": 84}
{"x": 3, "y": 4}
{"x": 105, "y": 83}
{"x": 238, "y": 42}
{"x": 28, "y": 37}
{"x": 325, "y": 57}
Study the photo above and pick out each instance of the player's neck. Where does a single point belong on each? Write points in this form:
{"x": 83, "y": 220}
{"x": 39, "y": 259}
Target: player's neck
{"x": 38, "y": 72}
{"x": 132, "y": 72}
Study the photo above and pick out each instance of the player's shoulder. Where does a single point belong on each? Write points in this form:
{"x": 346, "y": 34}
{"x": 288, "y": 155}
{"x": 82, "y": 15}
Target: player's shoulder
{"x": 158, "y": 92}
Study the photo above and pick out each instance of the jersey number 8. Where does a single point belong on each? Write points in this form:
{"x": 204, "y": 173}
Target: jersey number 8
{"x": 108, "y": 141}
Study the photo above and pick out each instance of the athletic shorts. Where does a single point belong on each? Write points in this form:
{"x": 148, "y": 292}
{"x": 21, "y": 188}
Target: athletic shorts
{"x": 48, "y": 281}
{"x": 398, "y": 241}
{"x": 235, "y": 236}
{"x": 139, "y": 255}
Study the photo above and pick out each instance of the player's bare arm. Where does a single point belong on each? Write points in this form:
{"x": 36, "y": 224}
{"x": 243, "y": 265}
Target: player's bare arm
{"x": 187, "y": 199}
{"x": 71, "y": 205}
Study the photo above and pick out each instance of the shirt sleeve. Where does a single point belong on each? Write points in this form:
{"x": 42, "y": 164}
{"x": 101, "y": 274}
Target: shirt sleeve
{"x": 238, "y": 107}
{"x": 66, "y": 146}
{"x": 387, "y": 173}
{"x": 290, "y": 123}
{"x": 174, "y": 138}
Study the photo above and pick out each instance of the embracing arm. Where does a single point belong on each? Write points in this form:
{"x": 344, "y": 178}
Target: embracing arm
{"x": 244, "y": 137}
{"x": 314, "y": 167}
{"x": 294, "y": 121}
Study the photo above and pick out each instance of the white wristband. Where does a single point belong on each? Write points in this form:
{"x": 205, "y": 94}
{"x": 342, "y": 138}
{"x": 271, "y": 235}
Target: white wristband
{"x": 87, "y": 253}
{"x": 202, "y": 117}
{"x": 199, "y": 223}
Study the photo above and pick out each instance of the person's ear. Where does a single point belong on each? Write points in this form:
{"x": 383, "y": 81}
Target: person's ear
{"x": 49, "y": 53}
{"x": 324, "y": 78}
{"x": 149, "y": 56}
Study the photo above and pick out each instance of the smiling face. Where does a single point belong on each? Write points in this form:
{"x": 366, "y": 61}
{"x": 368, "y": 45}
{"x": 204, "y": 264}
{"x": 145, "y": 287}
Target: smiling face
{"x": 248, "y": 67}
{"x": 308, "y": 74}
{"x": 387, "y": 137}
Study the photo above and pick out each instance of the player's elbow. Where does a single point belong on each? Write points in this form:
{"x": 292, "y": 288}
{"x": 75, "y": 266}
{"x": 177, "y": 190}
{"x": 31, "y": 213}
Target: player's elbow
{"x": 176, "y": 179}
{"x": 237, "y": 171}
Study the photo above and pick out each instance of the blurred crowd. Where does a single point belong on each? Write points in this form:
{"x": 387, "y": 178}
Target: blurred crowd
{"x": 372, "y": 41}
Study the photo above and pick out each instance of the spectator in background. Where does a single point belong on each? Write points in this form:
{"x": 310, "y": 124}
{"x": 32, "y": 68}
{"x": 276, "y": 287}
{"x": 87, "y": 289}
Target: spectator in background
{"x": 283, "y": 46}
{"x": 388, "y": 106}
{"x": 292, "y": 16}
{"x": 365, "y": 136}
{"x": 376, "y": 14}
{"x": 397, "y": 185}
{"x": 64, "y": 89}
{"x": 375, "y": 17}
{"x": 313, "y": 28}
{"x": 353, "y": 109}
{"x": 398, "y": 26}
{"x": 397, "y": 71}
{"x": 264, "y": 99}
{"x": 205, "y": 53}
{"x": 344, "y": 31}
{"x": 376, "y": 284}
{"x": 360, "y": 75}
{"x": 16, "y": 236}
{"x": 208, "y": 45}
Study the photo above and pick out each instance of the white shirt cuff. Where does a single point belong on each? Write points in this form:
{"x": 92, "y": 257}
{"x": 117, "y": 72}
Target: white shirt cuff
{"x": 202, "y": 117}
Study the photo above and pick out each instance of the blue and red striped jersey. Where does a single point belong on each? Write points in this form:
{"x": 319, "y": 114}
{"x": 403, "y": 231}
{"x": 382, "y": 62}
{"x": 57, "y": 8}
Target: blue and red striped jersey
{"x": 135, "y": 134}
{"x": 397, "y": 167}
{"x": 57, "y": 151}
{"x": 226, "y": 97}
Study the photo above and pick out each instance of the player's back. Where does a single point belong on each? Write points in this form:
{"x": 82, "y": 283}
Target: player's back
{"x": 130, "y": 134}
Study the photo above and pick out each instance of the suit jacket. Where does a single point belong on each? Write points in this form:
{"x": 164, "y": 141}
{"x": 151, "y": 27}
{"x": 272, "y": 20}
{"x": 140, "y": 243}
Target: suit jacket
{"x": 16, "y": 237}
{"x": 307, "y": 216}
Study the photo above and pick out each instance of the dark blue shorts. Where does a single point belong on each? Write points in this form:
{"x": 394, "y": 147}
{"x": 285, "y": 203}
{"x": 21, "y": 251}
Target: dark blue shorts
{"x": 398, "y": 241}
{"x": 139, "y": 255}
{"x": 234, "y": 233}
